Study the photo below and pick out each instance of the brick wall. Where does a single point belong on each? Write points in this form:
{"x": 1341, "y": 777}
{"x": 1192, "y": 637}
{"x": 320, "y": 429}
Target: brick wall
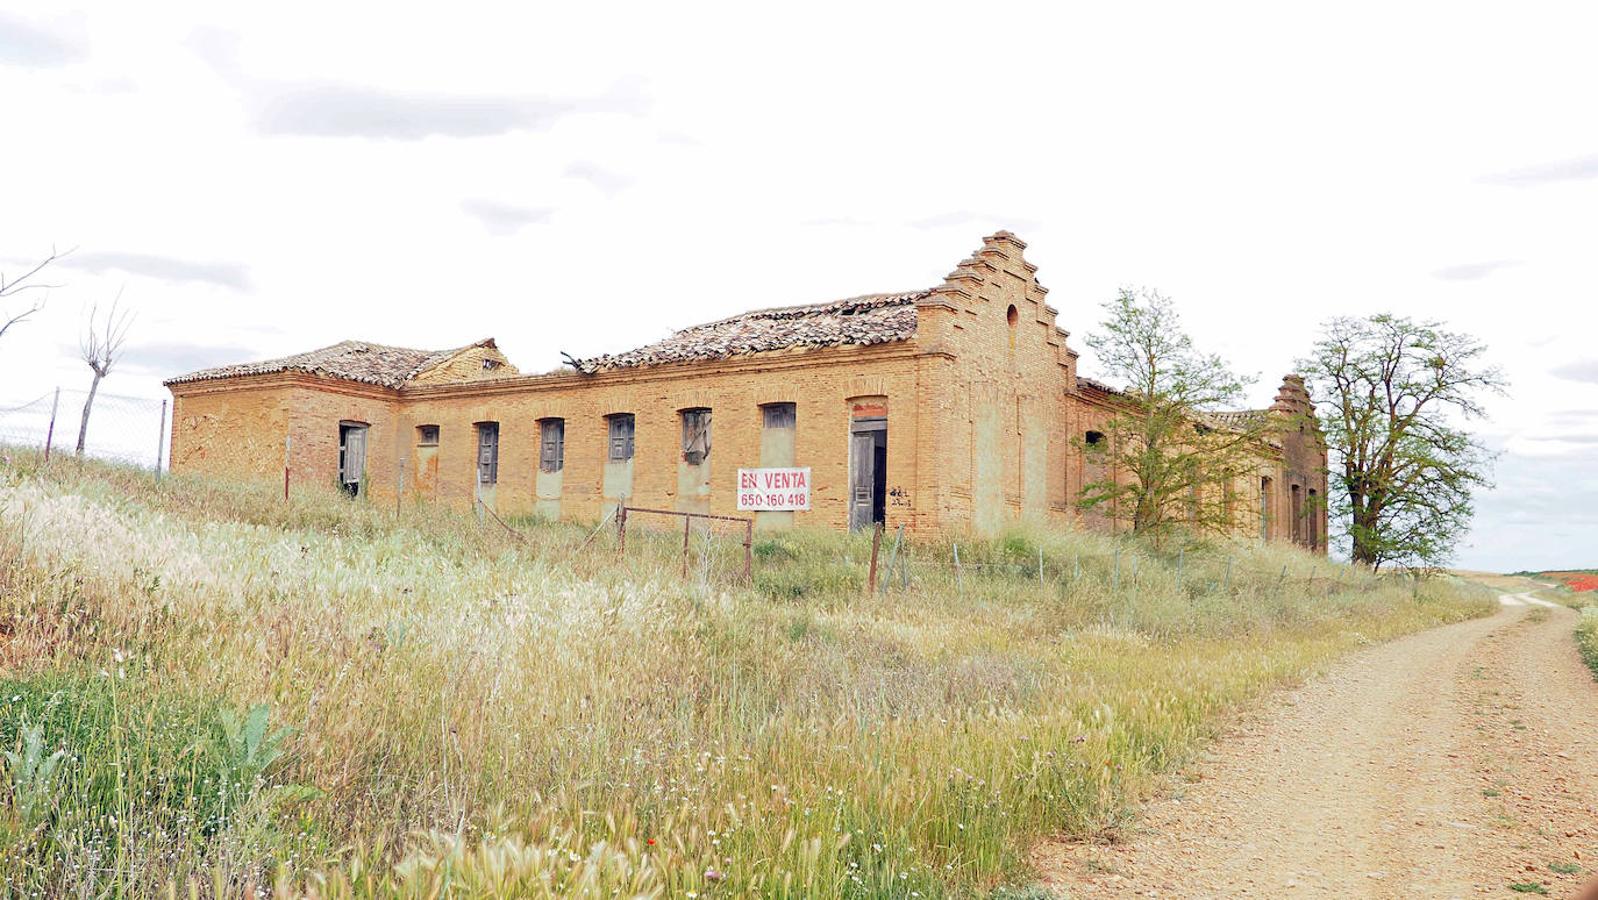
{"x": 983, "y": 410}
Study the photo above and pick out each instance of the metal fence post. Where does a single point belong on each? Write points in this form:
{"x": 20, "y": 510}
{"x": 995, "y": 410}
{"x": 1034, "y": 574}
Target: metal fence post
{"x": 893, "y": 557}
{"x": 621, "y": 528}
{"x": 160, "y": 444}
{"x": 959, "y": 573}
{"x": 49, "y": 434}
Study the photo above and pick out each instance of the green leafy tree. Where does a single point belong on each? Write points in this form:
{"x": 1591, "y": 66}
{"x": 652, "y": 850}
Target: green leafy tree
{"x": 1175, "y": 459}
{"x": 1392, "y": 395}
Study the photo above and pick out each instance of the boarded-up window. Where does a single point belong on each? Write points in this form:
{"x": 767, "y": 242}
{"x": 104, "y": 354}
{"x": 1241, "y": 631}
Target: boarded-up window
{"x": 620, "y": 427}
{"x": 487, "y": 452}
{"x": 551, "y": 445}
{"x": 779, "y": 415}
{"x": 427, "y": 435}
{"x": 695, "y": 435}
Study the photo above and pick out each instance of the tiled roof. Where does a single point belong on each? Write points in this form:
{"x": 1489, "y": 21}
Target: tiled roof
{"x": 1239, "y": 418}
{"x": 871, "y": 319}
{"x": 1083, "y": 381}
{"x": 360, "y": 361}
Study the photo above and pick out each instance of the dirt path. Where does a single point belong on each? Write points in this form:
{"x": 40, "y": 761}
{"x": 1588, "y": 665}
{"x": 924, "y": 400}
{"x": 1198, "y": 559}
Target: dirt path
{"x": 1452, "y": 763}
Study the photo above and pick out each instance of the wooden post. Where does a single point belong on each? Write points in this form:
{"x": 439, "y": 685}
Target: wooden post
{"x": 49, "y": 434}
{"x": 1281, "y": 581}
{"x": 687, "y": 523}
{"x": 160, "y": 443}
{"x": 749, "y": 551}
{"x": 288, "y": 442}
{"x": 876, "y": 546}
{"x": 1228, "y": 588}
{"x": 1040, "y": 565}
{"x": 621, "y": 528}
{"x": 959, "y": 573}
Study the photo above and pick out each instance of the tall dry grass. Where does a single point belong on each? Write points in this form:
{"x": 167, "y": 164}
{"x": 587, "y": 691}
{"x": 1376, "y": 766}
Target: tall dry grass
{"x": 476, "y": 713}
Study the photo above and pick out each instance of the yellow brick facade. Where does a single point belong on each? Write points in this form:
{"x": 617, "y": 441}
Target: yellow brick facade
{"x": 982, "y": 406}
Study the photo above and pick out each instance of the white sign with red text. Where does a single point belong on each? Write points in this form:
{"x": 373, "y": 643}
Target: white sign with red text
{"x": 774, "y": 489}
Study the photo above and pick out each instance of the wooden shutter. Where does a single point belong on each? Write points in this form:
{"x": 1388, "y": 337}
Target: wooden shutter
{"x": 695, "y": 436}
{"x": 621, "y": 437}
{"x": 488, "y": 453}
{"x": 552, "y": 445}
{"x": 780, "y": 415}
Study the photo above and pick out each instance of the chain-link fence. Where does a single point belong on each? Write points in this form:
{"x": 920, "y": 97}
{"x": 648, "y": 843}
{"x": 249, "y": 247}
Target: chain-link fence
{"x": 129, "y": 430}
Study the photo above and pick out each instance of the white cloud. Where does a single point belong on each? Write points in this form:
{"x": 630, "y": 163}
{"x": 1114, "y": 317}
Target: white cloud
{"x": 584, "y": 178}
{"x": 161, "y": 268}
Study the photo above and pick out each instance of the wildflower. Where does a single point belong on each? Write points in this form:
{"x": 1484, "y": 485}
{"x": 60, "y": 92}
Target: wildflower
{"x": 713, "y": 875}
{"x": 650, "y": 842}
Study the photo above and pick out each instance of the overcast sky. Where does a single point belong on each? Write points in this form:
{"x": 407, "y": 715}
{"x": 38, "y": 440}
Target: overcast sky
{"x": 587, "y": 177}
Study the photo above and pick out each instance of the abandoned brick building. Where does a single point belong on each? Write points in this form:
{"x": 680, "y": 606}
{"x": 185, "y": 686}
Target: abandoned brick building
{"x": 953, "y": 409}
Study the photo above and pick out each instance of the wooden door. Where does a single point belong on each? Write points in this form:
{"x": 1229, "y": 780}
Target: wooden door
{"x": 862, "y": 457}
{"x": 487, "y": 454}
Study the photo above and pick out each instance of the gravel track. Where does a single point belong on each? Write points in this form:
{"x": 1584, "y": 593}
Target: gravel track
{"x": 1451, "y": 763}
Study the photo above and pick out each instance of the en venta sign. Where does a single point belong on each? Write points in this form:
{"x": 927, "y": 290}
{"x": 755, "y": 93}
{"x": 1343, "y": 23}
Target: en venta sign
{"x": 774, "y": 489}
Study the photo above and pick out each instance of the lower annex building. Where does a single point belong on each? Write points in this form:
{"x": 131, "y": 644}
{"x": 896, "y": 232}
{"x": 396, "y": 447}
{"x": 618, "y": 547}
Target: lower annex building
{"x": 952, "y": 409}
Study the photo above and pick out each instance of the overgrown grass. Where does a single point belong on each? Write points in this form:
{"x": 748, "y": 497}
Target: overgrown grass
{"x": 1587, "y": 637}
{"x": 479, "y": 713}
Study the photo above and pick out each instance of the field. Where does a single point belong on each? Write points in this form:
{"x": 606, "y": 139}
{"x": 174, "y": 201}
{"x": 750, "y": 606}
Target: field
{"x": 209, "y": 691}
{"x": 1578, "y": 580}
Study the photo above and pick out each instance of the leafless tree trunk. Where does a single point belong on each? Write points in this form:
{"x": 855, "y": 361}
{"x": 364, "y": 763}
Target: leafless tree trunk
{"x": 10, "y": 287}
{"x": 100, "y": 347}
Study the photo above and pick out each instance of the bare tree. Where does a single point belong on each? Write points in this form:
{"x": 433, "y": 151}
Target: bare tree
{"x": 100, "y": 347}
{"x": 27, "y": 281}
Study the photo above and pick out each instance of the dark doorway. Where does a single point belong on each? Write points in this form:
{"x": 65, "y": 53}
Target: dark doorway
{"x": 868, "y": 472}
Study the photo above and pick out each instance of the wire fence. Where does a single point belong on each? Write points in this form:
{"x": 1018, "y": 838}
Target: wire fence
{"x": 727, "y": 551}
{"x": 131, "y": 430}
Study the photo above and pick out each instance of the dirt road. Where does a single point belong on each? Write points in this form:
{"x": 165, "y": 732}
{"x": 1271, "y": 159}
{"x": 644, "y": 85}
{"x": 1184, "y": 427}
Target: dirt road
{"x": 1458, "y": 762}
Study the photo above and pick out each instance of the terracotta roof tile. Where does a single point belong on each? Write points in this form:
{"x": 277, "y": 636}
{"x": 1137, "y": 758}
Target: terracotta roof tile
{"x": 360, "y": 361}
{"x": 857, "y": 321}
{"x": 1239, "y": 418}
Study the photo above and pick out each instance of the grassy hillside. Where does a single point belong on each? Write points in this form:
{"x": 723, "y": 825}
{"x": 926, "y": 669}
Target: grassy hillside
{"x": 326, "y": 696}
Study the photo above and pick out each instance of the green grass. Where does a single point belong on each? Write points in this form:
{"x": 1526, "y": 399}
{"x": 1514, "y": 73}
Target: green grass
{"x": 1587, "y": 637}
{"x": 476, "y": 713}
